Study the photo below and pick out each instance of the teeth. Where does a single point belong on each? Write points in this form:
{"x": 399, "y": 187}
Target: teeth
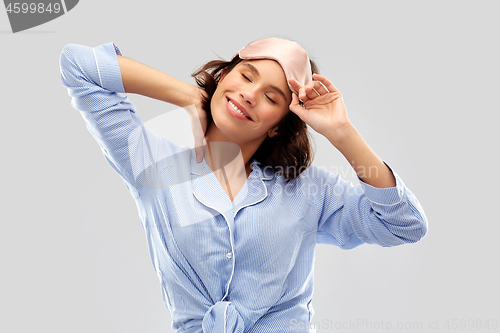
{"x": 236, "y": 109}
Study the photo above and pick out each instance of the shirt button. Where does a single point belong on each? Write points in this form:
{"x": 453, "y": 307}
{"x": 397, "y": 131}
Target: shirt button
{"x": 229, "y": 255}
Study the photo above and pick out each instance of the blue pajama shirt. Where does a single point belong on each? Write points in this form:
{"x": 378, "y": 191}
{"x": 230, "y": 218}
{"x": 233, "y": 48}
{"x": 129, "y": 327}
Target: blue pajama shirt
{"x": 229, "y": 266}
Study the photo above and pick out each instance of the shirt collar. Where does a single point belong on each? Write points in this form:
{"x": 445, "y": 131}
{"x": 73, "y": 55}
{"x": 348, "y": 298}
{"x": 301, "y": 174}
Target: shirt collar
{"x": 209, "y": 192}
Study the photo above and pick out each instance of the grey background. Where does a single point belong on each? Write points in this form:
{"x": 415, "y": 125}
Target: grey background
{"x": 420, "y": 82}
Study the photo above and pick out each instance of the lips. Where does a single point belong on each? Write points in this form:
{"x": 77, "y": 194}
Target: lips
{"x": 240, "y": 108}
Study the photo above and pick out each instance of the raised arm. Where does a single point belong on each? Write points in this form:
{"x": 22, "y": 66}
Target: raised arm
{"x": 325, "y": 112}
{"x": 144, "y": 80}
{"x": 141, "y": 79}
{"x": 381, "y": 210}
{"x": 93, "y": 76}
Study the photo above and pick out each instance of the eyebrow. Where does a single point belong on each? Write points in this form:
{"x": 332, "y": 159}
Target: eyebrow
{"x": 256, "y": 72}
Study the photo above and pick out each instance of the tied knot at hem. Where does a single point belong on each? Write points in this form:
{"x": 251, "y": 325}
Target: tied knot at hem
{"x": 222, "y": 317}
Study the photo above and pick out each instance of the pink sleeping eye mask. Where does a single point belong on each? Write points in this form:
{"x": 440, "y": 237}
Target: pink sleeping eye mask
{"x": 292, "y": 58}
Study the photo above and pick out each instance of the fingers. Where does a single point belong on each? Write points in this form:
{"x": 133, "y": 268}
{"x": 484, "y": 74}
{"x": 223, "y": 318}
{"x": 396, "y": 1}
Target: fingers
{"x": 296, "y": 108}
{"x": 301, "y": 90}
{"x": 295, "y": 85}
{"x": 327, "y": 84}
{"x": 315, "y": 89}
{"x": 199, "y": 141}
{"x": 320, "y": 90}
{"x": 199, "y": 127}
{"x": 312, "y": 89}
{"x": 199, "y": 147}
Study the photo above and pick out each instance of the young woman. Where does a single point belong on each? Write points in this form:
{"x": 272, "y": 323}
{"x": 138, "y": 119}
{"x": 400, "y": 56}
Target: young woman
{"x": 232, "y": 225}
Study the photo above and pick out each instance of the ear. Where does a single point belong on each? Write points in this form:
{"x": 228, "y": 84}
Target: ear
{"x": 273, "y": 132}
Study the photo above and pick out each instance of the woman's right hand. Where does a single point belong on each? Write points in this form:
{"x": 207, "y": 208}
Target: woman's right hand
{"x": 198, "y": 120}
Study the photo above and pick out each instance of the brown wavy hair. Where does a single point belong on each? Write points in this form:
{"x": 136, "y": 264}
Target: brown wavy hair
{"x": 289, "y": 152}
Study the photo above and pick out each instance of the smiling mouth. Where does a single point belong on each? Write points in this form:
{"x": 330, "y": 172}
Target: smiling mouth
{"x": 235, "y": 108}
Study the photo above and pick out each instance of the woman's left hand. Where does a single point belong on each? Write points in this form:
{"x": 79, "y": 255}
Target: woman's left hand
{"x": 323, "y": 107}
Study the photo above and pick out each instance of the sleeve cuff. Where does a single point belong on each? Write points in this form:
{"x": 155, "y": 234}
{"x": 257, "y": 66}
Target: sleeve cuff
{"x": 108, "y": 70}
{"x": 385, "y": 196}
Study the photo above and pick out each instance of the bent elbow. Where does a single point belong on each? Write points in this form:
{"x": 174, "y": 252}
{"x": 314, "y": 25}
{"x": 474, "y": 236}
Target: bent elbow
{"x": 68, "y": 64}
{"x": 418, "y": 228}
{"x": 65, "y": 62}
{"x": 398, "y": 233}
{"x": 423, "y": 226}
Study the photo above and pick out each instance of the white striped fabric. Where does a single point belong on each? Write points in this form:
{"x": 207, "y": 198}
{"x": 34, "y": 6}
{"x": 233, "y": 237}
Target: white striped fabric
{"x": 229, "y": 266}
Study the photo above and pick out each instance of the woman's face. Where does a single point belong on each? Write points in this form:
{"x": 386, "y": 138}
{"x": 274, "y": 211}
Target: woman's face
{"x": 257, "y": 88}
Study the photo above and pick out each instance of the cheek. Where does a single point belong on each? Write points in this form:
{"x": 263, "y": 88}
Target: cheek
{"x": 216, "y": 97}
{"x": 278, "y": 115}
{"x": 217, "y": 105}
{"x": 214, "y": 105}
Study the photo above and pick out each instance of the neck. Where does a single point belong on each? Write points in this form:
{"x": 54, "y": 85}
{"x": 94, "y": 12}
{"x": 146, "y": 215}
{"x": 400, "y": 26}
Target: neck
{"x": 226, "y": 156}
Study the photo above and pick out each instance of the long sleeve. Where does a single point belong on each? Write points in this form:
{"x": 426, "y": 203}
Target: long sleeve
{"x": 240, "y": 266}
{"x": 352, "y": 215}
{"x": 93, "y": 78}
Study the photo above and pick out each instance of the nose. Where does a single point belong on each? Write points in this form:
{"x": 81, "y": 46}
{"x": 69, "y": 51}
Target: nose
{"x": 249, "y": 95}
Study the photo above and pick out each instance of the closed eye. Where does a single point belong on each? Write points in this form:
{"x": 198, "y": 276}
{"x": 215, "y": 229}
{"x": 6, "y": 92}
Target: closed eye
{"x": 271, "y": 99}
{"x": 246, "y": 78}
